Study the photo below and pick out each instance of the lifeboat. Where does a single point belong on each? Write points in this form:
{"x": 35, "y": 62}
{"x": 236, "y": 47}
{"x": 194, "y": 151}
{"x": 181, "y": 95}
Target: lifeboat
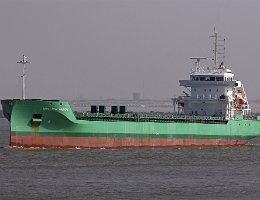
{"x": 240, "y": 98}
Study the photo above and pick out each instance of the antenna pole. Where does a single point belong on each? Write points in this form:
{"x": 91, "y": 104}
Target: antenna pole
{"x": 218, "y": 51}
{"x": 24, "y": 62}
{"x": 215, "y": 48}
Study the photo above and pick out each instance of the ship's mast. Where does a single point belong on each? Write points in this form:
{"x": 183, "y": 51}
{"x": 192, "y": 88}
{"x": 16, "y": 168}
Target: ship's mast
{"x": 217, "y": 51}
{"x": 215, "y": 48}
{"x": 24, "y": 62}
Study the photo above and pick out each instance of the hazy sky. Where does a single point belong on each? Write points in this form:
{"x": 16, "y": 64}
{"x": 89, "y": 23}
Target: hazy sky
{"x": 112, "y": 48}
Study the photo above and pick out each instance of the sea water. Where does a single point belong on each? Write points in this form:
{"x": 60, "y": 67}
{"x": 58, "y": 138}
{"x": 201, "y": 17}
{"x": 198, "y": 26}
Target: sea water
{"x": 145, "y": 173}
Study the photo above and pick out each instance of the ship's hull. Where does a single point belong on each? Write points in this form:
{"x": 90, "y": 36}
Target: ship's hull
{"x": 37, "y": 123}
{"x": 108, "y": 142}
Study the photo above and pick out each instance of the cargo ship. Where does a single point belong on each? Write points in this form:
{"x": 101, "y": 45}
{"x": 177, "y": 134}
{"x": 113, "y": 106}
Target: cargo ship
{"x": 214, "y": 112}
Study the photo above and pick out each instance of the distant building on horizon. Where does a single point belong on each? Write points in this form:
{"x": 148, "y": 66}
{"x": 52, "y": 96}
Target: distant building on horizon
{"x": 136, "y": 96}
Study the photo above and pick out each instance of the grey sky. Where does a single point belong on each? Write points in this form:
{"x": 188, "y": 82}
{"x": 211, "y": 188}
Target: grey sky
{"x": 112, "y": 48}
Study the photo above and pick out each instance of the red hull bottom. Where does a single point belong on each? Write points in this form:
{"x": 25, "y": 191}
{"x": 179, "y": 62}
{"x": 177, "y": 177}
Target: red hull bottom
{"x": 103, "y": 142}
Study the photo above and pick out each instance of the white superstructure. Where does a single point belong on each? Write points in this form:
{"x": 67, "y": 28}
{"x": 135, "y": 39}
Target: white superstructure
{"x": 213, "y": 91}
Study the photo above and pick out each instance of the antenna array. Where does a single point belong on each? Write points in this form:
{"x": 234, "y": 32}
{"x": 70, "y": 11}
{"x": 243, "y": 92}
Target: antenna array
{"x": 219, "y": 49}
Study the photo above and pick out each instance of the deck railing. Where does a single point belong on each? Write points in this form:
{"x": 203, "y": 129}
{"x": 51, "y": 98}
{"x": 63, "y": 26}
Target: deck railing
{"x": 148, "y": 117}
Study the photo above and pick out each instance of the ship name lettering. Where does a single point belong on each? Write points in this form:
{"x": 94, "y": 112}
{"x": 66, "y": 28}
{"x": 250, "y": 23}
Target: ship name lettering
{"x": 55, "y": 109}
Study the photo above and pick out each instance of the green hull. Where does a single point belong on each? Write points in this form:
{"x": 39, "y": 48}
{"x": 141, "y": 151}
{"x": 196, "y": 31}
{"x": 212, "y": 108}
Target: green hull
{"x": 54, "y": 124}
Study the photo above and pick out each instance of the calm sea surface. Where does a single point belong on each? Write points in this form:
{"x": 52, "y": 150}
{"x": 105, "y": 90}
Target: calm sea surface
{"x": 164, "y": 173}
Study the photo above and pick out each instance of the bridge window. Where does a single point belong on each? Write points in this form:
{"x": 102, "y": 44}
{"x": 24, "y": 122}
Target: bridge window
{"x": 194, "y": 78}
{"x": 207, "y": 78}
{"x": 219, "y": 78}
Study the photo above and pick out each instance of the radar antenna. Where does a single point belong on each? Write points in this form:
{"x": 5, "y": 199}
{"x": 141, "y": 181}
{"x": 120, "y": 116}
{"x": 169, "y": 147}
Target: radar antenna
{"x": 197, "y": 62}
{"x": 24, "y": 62}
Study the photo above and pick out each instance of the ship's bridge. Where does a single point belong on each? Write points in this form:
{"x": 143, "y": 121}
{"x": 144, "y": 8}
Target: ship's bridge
{"x": 213, "y": 77}
{"x": 210, "y": 91}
